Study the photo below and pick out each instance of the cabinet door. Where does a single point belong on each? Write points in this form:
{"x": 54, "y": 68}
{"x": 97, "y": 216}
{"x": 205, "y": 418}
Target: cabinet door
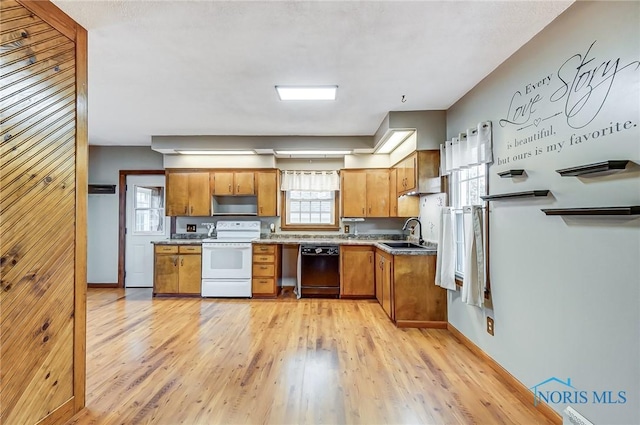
{"x": 387, "y": 285}
{"x": 357, "y": 271}
{"x": 410, "y": 169}
{"x": 377, "y": 193}
{"x": 165, "y": 277}
{"x": 352, "y": 193}
{"x": 379, "y": 276}
{"x": 243, "y": 183}
{"x": 223, "y": 183}
{"x": 267, "y": 193}
{"x": 199, "y": 196}
{"x": 409, "y": 206}
{"x": 393, "y": 194}
{"x": 190, "y": 277}
{"x": 401, "y": 181}
{"x": 177, "y": 194}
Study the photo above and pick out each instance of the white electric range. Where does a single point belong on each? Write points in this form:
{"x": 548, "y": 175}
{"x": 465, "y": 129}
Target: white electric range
{"x": 227, "y": 259}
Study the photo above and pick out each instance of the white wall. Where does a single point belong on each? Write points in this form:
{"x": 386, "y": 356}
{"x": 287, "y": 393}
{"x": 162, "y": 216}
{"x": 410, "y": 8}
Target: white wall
{"x": 565, "y": 292}
{"x": 105, "y": 163}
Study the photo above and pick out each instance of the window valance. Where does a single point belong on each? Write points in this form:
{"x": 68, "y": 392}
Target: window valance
{"x": 310, "y": 180}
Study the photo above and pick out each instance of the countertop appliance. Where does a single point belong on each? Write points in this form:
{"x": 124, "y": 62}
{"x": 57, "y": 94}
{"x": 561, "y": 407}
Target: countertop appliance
{"x": 320, "y": 271}
{"x": 226, "y": 260}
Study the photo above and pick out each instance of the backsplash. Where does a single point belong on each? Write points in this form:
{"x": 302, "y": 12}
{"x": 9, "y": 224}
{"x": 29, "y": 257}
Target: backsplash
{"x": 430, "y": 207}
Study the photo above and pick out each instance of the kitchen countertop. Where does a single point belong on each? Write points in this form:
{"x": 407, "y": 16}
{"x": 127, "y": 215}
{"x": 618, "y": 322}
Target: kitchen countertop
{"x": 310, "y": 240}
{"x": 431, "y": 249}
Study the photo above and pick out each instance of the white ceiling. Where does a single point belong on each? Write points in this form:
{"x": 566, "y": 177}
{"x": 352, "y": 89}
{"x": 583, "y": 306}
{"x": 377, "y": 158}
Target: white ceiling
{"x": 210, "y": 67}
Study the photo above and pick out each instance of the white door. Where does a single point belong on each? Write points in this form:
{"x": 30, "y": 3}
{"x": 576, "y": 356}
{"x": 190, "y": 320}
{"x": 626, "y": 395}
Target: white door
{"x": 145, "y": 222}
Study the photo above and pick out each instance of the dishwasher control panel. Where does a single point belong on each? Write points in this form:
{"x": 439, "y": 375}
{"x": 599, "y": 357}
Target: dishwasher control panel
{"x": 320, "y": 250}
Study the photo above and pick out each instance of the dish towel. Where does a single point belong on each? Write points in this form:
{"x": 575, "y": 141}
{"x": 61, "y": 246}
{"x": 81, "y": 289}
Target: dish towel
{"x": 473, "y": 285}
{"x": 445, "y": 266}
{"x": 297, "y": 290}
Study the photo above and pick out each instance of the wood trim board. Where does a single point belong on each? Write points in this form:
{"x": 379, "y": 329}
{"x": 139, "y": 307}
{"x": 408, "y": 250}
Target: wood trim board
{"x": 526, "y": 395}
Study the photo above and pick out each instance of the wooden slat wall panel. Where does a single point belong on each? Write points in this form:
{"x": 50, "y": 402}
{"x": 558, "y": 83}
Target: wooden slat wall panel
{"x": 38, "y": 206}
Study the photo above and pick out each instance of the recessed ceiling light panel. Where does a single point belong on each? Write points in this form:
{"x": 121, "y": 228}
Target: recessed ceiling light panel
{"x": 307, "y": 92}
{"x": 343, "y": 152}
{"x": 394, "y": 138}
{"x": 215, "y": 152}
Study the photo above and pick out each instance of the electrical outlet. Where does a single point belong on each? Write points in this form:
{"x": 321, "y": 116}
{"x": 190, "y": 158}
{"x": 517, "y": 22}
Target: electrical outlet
{"x": 490, "y": 325}
{"x": 346, "y": 228}
{"x": 191, "y": 227}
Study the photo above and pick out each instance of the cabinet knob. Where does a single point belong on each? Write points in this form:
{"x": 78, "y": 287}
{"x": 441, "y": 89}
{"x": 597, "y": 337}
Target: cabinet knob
{"x": 363, "y": 211}
{"x": 238, "y": 189}
{"x": 185, "y": 210}
{"x": 182, "y": 262}
{"x": 191, "y": 210}
{"x": 229, "y": 188}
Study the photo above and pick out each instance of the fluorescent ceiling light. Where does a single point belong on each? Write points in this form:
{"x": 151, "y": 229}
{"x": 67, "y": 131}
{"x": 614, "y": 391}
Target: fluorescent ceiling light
{"x": 313, "y": 152}
{"x": 307, "y": 93}
{"x": 393, "y": 140}
{"x": 216, "y": 152}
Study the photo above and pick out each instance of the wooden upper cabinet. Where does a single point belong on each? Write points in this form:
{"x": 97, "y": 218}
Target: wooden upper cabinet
{"x": 177, "y": 194}
{"x": 233, "y": 183}
{"x": 188, "y": 194}
{"x": 393, "y": 193}
{"x": 222, "y": 183}
{"x": 267, "y": 182}
{"x": 365, "y": 193}
{"x": 244, "y": 183}
{"x": 378, "y": 193}
{"x": 419, "y": 172}
{"x": 357, "y": 271}
{"x": 353, "y": 195}
{"x": 199, "y": 196}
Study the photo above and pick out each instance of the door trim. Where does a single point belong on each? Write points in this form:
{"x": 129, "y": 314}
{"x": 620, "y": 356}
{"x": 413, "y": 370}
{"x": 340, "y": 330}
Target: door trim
{"x": 122, "y": 216}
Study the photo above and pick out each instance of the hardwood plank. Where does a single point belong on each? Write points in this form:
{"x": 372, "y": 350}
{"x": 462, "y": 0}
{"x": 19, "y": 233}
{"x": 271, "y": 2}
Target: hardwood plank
{"x": 281, "y": 361}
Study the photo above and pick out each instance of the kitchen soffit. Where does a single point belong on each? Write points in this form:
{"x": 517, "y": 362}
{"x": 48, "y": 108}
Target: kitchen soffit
{"x": 209, "y": 67}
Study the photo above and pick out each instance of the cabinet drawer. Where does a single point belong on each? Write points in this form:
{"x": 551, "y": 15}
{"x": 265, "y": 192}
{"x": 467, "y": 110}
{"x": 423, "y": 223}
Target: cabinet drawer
{"x": 263, "y": 258}
{"x": 266, "y": 270}
{"x": 190, "y": 249}
{"x": 263, "y": 286}
{"x": 166, "y": 249}
{"x": 264, "y": 249}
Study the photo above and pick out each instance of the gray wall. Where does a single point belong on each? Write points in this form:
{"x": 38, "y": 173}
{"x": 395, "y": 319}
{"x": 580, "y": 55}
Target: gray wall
{"x": 105, "y": 163}
{"x": 565, "y": 292}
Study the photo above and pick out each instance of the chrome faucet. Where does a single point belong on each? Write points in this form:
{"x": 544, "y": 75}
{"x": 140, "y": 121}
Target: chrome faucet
{"x": 420, "y": 240}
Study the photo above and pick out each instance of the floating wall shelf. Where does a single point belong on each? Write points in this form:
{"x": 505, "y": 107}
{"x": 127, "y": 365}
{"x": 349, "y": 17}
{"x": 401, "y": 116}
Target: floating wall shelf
{"x": 102, "y": 188}
{"x": 528, "y": 194}
{"x": 597, "y": 167}
{"x": 635, "y": 210}
{"x": 511, "y": 173}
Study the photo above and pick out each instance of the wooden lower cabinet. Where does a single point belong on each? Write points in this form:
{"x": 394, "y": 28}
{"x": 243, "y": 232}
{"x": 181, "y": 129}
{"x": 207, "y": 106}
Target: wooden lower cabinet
{"x": 357, "y": 272}
{"x": 266, "y": 270}
{"x": 406, "y": 290}
{"x": 384, "y": 285}
{"x": 177, "y": 270}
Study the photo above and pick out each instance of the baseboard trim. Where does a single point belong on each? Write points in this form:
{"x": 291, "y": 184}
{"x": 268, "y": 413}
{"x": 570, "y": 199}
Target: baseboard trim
{"x": 541, "y": 406}
{"x": 421, "y": 324}
{"x": 61, "y": 415}
{"x": 102, "y": 285}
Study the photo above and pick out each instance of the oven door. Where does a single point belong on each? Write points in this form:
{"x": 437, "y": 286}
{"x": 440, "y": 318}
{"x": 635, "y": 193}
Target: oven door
{"x": 226, "y": 260}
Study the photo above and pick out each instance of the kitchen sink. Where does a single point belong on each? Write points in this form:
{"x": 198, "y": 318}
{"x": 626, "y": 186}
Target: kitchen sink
{"x": 403, "y": 245}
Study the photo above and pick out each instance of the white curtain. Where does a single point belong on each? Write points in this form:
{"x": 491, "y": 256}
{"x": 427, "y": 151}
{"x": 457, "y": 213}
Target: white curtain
{"x": 310, "y": 180}
{"x": 445, "y": 261}
{"x": 474, "y": 282}
{"x": 474, "y": 147}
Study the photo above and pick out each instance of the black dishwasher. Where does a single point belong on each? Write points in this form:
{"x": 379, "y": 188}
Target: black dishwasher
{"x": 320, "y": 271}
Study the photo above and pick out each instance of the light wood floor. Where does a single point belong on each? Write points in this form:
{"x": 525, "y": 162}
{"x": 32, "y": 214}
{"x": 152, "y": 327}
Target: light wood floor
{"x": 194, "y": 361}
